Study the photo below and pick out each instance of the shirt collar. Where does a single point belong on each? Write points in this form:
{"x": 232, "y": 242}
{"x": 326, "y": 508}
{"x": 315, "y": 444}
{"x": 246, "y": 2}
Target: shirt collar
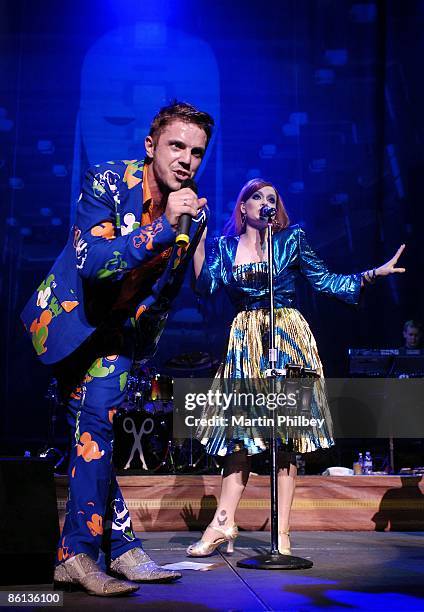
{"x": 147, "y": 196}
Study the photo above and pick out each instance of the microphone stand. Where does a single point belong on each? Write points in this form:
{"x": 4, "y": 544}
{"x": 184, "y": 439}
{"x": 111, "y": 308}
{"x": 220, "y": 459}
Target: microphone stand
{"x": 273, "y": 560}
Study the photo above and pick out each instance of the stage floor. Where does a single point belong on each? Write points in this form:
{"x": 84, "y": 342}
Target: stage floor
{"x": 352, "y": 570}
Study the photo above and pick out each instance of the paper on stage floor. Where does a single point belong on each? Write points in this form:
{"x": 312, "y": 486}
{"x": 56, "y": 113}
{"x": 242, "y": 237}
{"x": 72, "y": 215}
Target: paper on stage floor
{"x": 191, "y": 565}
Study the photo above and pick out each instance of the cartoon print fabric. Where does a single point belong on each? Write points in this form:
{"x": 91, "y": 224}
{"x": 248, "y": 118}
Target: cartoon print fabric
{"x": 96, "y": 514}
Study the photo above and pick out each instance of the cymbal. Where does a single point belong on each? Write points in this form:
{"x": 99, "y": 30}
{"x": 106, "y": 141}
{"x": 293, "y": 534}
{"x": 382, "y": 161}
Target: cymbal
{"x": 193, "y": 360}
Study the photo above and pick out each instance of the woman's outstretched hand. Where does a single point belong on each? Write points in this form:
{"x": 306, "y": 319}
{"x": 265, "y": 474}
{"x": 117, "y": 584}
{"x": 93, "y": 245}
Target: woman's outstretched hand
{"x": 390, "y": 266}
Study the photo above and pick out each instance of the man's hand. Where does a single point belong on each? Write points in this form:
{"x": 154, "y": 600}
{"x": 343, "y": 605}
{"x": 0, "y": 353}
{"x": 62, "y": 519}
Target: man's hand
{"x": 181, "y": 202}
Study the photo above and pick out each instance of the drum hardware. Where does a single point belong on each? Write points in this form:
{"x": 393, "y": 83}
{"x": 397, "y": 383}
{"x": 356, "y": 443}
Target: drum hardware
{"x": 184, "y": 361}
{"x": 137, "y": 391}
{"x": 188, "y": 455}
{"x": 170, "y": 455}
{"x": 192, "y": 365}
{"x": 49, "y": 451}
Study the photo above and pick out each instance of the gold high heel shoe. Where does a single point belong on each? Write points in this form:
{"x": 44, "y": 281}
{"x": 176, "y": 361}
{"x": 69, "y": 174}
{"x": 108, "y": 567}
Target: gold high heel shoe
{"x": 281, "y": 549}
{"x": 205, "y": 549}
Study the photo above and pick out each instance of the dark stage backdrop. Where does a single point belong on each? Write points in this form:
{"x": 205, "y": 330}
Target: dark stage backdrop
{"x": 322, "y": 97}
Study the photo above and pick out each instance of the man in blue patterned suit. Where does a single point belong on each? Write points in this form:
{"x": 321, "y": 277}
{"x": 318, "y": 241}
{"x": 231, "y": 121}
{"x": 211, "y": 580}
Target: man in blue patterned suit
{"x": 102, "y": 306}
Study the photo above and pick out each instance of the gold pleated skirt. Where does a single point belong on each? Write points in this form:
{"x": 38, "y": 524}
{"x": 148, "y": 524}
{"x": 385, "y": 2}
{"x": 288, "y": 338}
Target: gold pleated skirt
{"x": 247, "y": 358}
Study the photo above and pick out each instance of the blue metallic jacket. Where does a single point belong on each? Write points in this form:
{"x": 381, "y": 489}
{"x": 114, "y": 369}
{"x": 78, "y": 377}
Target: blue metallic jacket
{"x": 293, "y": 256}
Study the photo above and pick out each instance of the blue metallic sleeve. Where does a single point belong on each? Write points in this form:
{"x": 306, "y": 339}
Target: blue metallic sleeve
{"x": 346, "y": 287}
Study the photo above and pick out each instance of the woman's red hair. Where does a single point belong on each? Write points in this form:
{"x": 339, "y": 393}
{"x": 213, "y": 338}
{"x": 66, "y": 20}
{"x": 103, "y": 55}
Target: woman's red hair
{"x": 235, "y": 226}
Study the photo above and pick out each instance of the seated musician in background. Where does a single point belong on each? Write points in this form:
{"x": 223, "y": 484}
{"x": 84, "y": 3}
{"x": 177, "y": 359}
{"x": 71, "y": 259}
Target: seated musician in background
{"x": 412, "y": 333}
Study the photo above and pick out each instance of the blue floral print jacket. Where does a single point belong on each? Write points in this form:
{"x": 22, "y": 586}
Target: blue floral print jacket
{"x": 112, "y": 269}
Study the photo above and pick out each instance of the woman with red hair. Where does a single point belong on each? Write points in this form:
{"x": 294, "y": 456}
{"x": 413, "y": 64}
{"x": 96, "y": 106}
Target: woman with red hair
{"x": 238, "y": 262}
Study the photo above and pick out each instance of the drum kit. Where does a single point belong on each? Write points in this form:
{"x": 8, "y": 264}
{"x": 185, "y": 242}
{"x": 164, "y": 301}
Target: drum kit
{"x": 143, "y": 424}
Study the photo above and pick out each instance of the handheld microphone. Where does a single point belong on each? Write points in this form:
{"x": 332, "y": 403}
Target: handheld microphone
{"x": 184, "y": 222}
{"x": 267, "y": 212}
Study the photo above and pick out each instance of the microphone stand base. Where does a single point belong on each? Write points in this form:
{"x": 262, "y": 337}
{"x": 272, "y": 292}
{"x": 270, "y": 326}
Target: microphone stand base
{"x": 270, "y": 561}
